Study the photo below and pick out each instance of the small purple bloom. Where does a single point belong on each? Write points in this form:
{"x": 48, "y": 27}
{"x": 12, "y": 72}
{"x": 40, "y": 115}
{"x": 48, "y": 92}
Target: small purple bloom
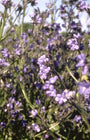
{"x": 81, "y": 58}
{"x": 4, "y": 63}
{"x": 38, "y": 101}
{"x": 24, "y": 123}
{"x": 46, "y": 136}
{"x": 84, "y": 69}
{"x": 17, "y": 51}
{"x": 82, "y": 5}
{"x": 23, "y": 36}
{"x": 73, "y": 25}
{"x": 35, "y": 127}
{"x": 56, "y": 63}
{"x": 7, "y": 85}
{"x": 52, "y": 80}
{"x": 4, "y": 52}
{"x": 73, "y": 44}
{"x": 84, "y": 89}
{"x": 34, "y": 112}
{"x": 77, "y": 118}
{"x": 3, "y": 124}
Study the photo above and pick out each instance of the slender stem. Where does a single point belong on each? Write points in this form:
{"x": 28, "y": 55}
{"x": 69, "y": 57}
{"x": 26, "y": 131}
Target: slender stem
{"x": 52, "y": 127}
{"x": 14, "y": 8}
{"x": 69, "y": 71}
{"x": 84, "y": 118}
{"x": 24, "y": 9}
{"x": 6, "y": 34}
{"x": 3, "y": 24}
{"x": 25, "y": 95}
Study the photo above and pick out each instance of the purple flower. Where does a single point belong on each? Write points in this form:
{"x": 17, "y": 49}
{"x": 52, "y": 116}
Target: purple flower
{"x": 73, "y": 44}
{"x": 73, "y": 25}
{"x": 35, "y": 127}
{"x": 10, "y": 105}
{"x": 51, "y": 93}
{"x": 52, "y": 80}
{"x": 58, "y": 57}
{"x": 84, "y": 89}
{"x": 84, "y": 69}
{"x": 23, "y": 36}
{"x": 42, "y": 59}
{"x": 6, "y": 2}
{"x": 38, "y": 101}
{"x": 7, "y": 85}
{"x": 45, "y": 86}
{"x": 3, "y": 124}
{"x": 31, "y": 46}
{"x": 18, "y": 104}
{"x": 4, "y": 52}
{"x": 60, "y": 98}
{"x": 77, "y": 118}
{"x": 56, "y": 63}
{"x": 29, "y": 31}
{"x": 44, "y": 70}
{"x": 43, "y": 109}
{"x": 24, "y": 123}
{"x": 3, "y": 62}
{"x": 81, "y": 58}
{"x": 17, "y": 51}
{"x": 34, "y": 112}
{"x": 82, "y": 5}
{"x": 20, "y": 117}
{"x": 64, "y": 96}
{"x": 46, "y": 136}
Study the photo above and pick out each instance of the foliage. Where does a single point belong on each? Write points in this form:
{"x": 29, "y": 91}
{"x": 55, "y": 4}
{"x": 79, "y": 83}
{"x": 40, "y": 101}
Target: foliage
{"x": 44, "y": 73}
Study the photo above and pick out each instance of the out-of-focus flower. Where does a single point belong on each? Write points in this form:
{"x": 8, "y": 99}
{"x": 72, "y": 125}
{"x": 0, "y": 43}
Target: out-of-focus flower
{"x": 73, "y": 44}
{"x": 34, "y": 112}
{"x": 4, "y": 63}
{"x": 82, "y": 5}
{"x": 81, "y": 58}
{"x": 84, "y": 89}
{"x": 77, "y": 118}
{"x": 7, "y": 3}
{"x": 84, "y": 69}
{"x": 46, "y": 136}
{"x": 73, "y": 25}
{"x": 4, "y": 52}
{"x": 35, "y": 127}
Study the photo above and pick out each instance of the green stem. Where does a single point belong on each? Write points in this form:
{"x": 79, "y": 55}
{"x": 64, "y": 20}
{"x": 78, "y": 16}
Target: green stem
{"x": 6, "y": 34}
{"x": 84, "y": 118}
{"x": 53, "y": 126}
{"x": 14, "y": 8}
{"x": 3, "y": 24}
{"x": 25, "y": 96}
{"x": 69, "y": 71}
{"x": 24, "y": 9}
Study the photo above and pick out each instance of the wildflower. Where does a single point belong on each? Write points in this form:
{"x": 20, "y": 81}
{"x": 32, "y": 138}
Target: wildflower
{"x": 17, "y": 51}
{"x": 84, "y": 69}
{"x": 73, "y": 25}
{"x": 6, "y": 3}
{"x": 34, "y": 112}
{"x": 35, "y": 127}
{"x": 46, "y": 136}
{"x": 81, "y": 58}
{"x": 38, "y": 101}
{"x": 3, "y": 62}
{"x": 77, "y": 118}
{"x": 4, "y": 52}
{"x": 73, "y": 44}
{"x": 84, "y": 89}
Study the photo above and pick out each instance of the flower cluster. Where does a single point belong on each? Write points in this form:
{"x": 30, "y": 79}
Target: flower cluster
{"x": 44, "y": 70}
